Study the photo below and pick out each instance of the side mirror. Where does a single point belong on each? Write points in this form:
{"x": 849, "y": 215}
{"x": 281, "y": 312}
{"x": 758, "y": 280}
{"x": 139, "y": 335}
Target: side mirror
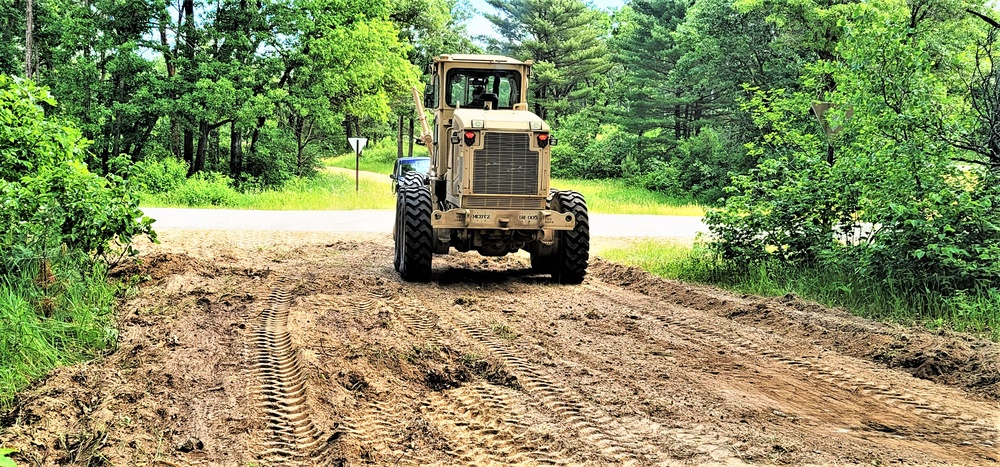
{"x": 419, "y": 141}
{"x": 429, "y": 96}
{"x": 392, "y": 176}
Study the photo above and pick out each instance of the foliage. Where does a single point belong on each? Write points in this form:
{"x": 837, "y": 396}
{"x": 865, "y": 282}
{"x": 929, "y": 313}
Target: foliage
{"x": 225, "y": 86}
{"x": 323, "y": 191}
{"x": 564, "y": 39}
{"x": 882, "y": 196}
{"x": 49, "y": 198}
{"x": 378, "y": 156}
{"x": 159, "y": 176}
{"x": 203, "y": 189}
{"x": 6, "y": 461}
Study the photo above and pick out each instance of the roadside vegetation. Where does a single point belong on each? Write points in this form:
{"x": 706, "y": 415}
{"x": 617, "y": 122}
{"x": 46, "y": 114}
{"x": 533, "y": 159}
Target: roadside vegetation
{"x": 322, "y": 191}
{"x": 973, "y": 312}
{"x": 62, "y": 226}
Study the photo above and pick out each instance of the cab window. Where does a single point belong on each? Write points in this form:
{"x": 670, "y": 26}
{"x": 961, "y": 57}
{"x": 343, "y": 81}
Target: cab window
{"x": 466, "y": 87}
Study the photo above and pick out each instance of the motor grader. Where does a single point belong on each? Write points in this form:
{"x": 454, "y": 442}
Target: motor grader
{"x": 487, "y": 188}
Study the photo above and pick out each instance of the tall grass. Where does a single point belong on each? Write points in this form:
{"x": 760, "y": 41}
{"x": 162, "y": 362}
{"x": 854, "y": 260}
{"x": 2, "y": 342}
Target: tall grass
{"x": 968, "y": 311}
{"x": 325, "y": 191}
{"x": 51, "y": 317}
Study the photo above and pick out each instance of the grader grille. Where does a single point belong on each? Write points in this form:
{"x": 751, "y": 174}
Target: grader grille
{"x": 505, "y": 166}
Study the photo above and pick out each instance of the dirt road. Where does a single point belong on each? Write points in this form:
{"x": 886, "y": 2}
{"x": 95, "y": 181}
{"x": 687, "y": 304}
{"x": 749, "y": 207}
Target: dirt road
{"x": 267, "y": 348}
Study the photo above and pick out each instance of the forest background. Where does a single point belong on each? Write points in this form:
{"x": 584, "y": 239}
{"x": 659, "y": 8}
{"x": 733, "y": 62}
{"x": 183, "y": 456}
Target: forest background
{"x": 848, "y": 148}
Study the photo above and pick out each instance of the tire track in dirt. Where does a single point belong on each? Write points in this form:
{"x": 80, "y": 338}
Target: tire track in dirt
{"x": 485, "y": 436}
{"x": 476, "y": 420}
{"x": 294, "y": 438}
{"x": 700, "y": 331}
{"x": 376, "y": 428}
{"x": 598, "y": 428}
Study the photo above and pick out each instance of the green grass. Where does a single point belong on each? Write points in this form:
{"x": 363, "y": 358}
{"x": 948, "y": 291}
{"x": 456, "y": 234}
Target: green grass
{"x": 47, "y": 323}
{"x": 603, "y": 196}
{"x": 964, "y": 312}
{"x": 367, "y": 164}
{"x": 329, "y": 191}
{"x": 378, "y": 157}
{"x": 325, "y": 191}
{"x": 617, "y": 197}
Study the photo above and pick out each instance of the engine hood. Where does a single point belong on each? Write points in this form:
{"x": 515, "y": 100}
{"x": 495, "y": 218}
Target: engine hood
{"x": 515, "y": 120}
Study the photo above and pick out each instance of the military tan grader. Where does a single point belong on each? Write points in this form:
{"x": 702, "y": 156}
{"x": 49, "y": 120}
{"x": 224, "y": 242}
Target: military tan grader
{"x": 488, "y": 185}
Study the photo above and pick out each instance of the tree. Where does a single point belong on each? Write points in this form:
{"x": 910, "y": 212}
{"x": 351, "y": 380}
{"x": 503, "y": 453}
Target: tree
{"x": 566, "y": 38}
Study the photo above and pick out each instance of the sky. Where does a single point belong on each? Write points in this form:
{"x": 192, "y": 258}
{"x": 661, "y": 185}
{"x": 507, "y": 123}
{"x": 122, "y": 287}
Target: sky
{"x": 479, "y": 25}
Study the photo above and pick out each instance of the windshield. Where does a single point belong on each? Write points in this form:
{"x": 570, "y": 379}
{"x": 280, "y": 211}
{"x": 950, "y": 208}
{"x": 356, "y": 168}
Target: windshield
{"x": 476, "y": 88}
{"x": 419, "y": 165}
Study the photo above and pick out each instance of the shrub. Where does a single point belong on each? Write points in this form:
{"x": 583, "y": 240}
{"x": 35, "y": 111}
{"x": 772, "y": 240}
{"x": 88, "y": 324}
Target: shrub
{"x": 47, "y": 195}
{"x": 159, "y": 176}
{"x": 204, "y": 189}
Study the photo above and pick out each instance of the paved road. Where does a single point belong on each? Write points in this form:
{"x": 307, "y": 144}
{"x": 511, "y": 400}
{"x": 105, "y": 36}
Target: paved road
{"x": 601, "y": 225}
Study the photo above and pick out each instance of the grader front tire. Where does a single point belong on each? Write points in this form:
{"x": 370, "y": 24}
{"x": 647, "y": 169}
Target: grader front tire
{"x": 415, "y": 235}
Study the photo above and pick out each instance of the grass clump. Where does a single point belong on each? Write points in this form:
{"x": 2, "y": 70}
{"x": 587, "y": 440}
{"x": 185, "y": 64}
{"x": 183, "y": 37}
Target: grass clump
{"x": 972, "y": 311}
{"x": 52, "y": 312}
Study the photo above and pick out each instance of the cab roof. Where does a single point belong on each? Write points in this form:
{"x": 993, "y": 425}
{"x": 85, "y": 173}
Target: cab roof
{"x": 478, "y": 58}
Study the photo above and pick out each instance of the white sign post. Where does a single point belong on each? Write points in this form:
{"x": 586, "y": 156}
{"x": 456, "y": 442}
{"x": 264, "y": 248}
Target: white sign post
{"x": 358, "y": 144}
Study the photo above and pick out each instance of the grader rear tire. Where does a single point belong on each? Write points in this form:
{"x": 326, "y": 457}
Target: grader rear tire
{"x": 415, "y": 237}
{"x": 573, "y": 251}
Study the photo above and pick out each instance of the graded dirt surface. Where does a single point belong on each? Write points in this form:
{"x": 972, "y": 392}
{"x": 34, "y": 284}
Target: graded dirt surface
{"x": 248, "y": 348}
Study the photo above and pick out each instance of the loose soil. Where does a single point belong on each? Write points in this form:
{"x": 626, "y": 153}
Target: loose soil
{"x": 271, "y": 348}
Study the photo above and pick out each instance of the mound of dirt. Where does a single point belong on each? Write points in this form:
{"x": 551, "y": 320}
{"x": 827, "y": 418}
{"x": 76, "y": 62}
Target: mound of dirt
{"x": 943, "y": 357}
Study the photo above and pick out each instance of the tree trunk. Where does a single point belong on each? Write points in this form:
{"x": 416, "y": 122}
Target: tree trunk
{"x": 411, "y": 137}
{"x": 29, "y": 32}
{"x": 235, "y": 151}
{"x": 199, "y": 159}
{"x": 189, "y": 149}
{"x": 399, "y": 138}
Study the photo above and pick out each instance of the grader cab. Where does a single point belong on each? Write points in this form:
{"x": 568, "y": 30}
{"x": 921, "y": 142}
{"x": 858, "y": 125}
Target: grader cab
{"x": 488, "y": 184}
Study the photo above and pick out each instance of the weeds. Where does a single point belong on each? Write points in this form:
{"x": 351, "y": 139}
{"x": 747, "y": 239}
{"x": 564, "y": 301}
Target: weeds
{"x": 46, "y": 324}
{"x": 7, "y": 461}
{"x": 502, "y": 331}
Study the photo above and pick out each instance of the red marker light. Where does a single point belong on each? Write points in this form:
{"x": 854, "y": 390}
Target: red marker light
{"x": 470, "y": 135}
{"x": 470, "y": 138}
{"x": 543, "y": 140}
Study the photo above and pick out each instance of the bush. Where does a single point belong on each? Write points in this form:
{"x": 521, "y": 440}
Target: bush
{"x": 47, "y": 195}
{"x": 159, "y": 176}
{"x": 204, "y": 189}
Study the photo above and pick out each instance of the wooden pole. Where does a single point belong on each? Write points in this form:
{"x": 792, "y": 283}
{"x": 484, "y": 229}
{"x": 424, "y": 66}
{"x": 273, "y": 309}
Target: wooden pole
{"x": 411, "y": 136}
{"x": 399, "y": 137}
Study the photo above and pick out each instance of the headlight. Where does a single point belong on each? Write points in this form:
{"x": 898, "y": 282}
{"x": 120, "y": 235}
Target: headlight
{"x": 535, "y": 125}
{"x": 478, "y": 123}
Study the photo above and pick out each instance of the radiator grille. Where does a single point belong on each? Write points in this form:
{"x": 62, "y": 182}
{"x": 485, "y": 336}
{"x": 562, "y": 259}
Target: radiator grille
{"x": 503, "y": 202}
{"x": 505, "y": 166}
